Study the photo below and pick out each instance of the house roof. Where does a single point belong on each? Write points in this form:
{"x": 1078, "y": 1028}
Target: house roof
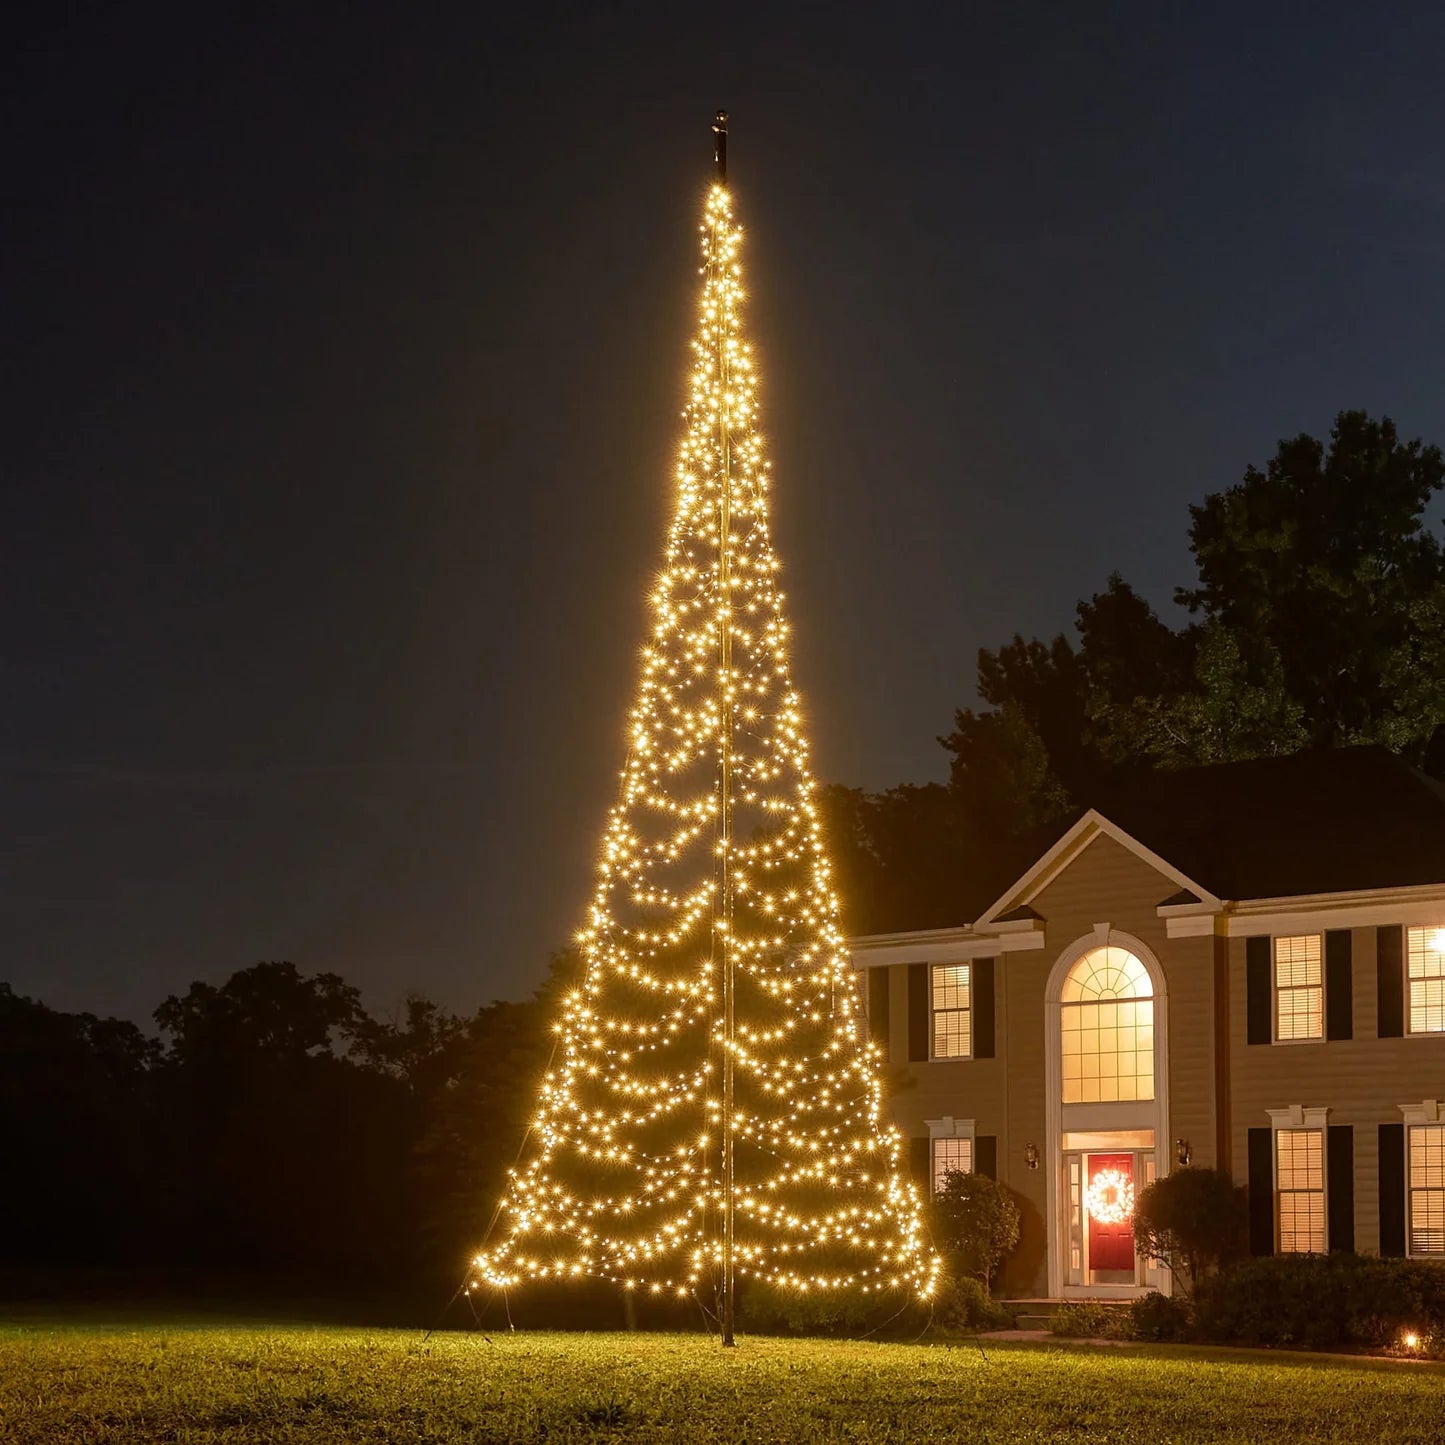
{"x": 1331, "y": 821}
{"x": 1337, "y": 820}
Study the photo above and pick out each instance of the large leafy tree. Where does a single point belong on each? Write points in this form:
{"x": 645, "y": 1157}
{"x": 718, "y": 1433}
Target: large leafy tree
{"x": 1322, "y": 565}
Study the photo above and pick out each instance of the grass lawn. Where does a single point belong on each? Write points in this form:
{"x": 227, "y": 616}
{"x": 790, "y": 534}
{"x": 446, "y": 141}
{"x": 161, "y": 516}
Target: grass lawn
{"x": 189, "y": 1380}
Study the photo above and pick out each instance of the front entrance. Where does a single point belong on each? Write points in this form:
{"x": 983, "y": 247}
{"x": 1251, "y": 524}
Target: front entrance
{"x": 1101, "y": 1185}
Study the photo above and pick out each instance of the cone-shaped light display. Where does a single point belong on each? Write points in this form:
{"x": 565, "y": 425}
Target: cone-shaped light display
{"x": 713, "y": 1110}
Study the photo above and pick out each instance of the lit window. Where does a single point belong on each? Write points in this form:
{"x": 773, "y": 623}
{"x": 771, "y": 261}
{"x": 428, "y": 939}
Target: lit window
{"x": 952, "y": 1012}
{"x": 1300, "y": 1183}
{"x": 951, "y": 1155}
{"x": 1299, "y": 993}
{"x": 1106, "y": 1029}
{"x": 1425, "y": 970}
{"x": 1427, "y": 1189}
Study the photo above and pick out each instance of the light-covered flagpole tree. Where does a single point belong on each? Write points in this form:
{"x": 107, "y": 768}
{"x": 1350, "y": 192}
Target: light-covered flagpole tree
{"x": 714, "y": 1111}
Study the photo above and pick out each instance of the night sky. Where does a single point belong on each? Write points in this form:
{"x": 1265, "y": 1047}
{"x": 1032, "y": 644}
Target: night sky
{"x": 344, "y": 352}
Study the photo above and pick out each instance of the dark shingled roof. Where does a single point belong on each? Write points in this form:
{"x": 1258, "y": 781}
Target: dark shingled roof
{"x": 1330, "y": 821}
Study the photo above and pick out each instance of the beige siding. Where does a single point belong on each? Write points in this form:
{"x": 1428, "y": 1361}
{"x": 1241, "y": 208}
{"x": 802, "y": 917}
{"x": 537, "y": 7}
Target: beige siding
{"x": 1109, "y": 884}
{"x": 961, "y": 1088}
{"x": 1362, "y": 1080}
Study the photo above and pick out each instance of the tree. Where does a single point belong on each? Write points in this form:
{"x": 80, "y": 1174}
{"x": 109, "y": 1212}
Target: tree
{"x": 977, "y": 1222}
{"x": 715, "y": 1104}
{"x": 1323, "y": 561}
{"x": 1192, "y": 1221}
{"x": 267, "y": 1011}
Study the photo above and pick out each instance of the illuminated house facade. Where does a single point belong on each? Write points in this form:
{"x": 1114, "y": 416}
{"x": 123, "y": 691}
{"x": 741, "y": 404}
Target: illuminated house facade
{"x": 1244, "y": 969}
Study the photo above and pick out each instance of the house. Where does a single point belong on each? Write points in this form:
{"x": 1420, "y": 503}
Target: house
{"x": 1243, "y": 968}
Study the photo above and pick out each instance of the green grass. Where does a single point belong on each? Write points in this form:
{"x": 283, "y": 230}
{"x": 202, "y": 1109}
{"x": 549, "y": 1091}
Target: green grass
{"x": 189, "y": 1380}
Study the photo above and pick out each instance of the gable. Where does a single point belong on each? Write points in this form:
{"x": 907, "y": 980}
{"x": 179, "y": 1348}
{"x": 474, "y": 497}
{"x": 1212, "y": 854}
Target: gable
{"x": 1100, "y": 853}
{"x": 1106, "y": 881}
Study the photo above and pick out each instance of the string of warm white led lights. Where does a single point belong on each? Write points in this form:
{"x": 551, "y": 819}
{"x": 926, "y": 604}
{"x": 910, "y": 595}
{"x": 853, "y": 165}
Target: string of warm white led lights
{"x": 714, "y": 1106}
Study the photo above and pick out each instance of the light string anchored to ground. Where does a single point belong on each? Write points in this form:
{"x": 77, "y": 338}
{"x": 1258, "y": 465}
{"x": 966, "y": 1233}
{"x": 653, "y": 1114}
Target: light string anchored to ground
{"x": 714, "y": 1108}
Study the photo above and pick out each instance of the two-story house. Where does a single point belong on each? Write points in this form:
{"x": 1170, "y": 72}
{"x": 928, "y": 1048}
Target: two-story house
{"x": 1243, "y": 968}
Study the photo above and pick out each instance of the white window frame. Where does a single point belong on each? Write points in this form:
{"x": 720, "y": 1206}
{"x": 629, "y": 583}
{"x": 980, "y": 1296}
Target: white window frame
{"x": 933, "y": 1011}
{"x": 949, "y": 1128}
{"x": 1292, "y": 1118}
{"x": 1410, "y": 1030}
{"x": 1276, "y": 990}
{"x": 1427, "y": 1114}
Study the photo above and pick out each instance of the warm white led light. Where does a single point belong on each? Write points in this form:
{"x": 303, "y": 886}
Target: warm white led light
{"x": 624, "y": 1180}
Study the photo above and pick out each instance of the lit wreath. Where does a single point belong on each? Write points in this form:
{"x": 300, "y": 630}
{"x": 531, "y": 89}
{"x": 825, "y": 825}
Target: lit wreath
{"x": 1110, "y": 1197}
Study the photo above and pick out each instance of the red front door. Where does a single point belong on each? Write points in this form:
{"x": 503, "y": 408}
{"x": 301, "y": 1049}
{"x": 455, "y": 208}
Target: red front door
{"x": 1108, "y": 1195}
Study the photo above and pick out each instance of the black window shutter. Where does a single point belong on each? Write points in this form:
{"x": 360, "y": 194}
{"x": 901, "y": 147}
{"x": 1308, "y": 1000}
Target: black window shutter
{"x": 1390, "y": 983}
{"x": 921, "y": 1162}
{"x": 1260, "y": 991}
{"x": 982, "y": 998}
{"x": 917, "y": 1013}
{"x": 878, "y": 1007}
{"x": 985, "y": 1155}
{"x": 1340, "y": 1147}
{"x": 1392, "y": 1187}
{"x": 1339, "y": 986}
{"x": 1261, "y": 1191}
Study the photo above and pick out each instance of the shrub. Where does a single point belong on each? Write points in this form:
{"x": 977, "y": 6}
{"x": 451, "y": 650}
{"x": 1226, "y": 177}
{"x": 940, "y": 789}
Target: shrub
{"x": 1324, "y": 1301}
{"x": 964, "y": 1305}
{"x": 1091, "y": 1320}
{"x": 1161, "y": 1317}
{"x": 833, "y": 1313}
{"x": 1192, "y": 1221}
{"x": 977, "y": 1221}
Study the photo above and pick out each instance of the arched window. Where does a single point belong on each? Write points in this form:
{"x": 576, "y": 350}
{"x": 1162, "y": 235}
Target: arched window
{"x": 1107, "y": 1028}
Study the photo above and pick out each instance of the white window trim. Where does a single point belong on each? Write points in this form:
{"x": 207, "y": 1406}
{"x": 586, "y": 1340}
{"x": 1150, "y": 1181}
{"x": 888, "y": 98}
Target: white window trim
{"x": 950, "y": 1128}
{"x": 1426, "y": 1112}
{"x": 936, "y": 1058}
{"x": 1144, "y": 1114}
{"x": 1323, "y": 1034}
{"x": 1411, "y": 1032}
{"x": 1299, "y": 1117}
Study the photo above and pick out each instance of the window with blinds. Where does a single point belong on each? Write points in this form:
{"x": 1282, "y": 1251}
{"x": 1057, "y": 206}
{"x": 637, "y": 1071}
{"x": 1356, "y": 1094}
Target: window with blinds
{"x": 1299, "y": 990}
{"x": 952, "y": 1011}
{"x": 951, "y": 1155}
{"x": 1425, "y": 974}
{"x": 1300, "y": 1189}
{"x": 1426, "y": 1169}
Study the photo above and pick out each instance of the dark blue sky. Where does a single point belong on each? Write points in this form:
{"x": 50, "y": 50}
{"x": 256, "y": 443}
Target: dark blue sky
{"x": 344, "y": 353}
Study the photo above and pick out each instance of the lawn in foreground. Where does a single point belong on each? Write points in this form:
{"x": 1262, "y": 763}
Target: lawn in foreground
{"x": 192, "y": 1382}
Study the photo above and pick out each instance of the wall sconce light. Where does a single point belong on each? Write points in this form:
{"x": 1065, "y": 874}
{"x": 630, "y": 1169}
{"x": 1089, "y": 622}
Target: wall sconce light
{"x": 1181, "y": 1151}
{"x": 1031, "y": 1155}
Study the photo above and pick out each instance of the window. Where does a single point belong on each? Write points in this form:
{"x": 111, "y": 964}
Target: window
{"x": 1426, "y": 1169}
{"x": 1107, "y": 1029}
{"x": 1425, "y": 973}
{"x": 952, "y": 1011}
{"x": 955, "y": 1154}
{"x": 1300, "y": 1187}
{"x": 1299, "y": 992}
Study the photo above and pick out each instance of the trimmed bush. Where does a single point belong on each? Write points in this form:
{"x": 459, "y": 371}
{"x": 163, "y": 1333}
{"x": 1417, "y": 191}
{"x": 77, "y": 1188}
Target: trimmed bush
{"x": 1091, "y": 1320}
{"x": 1192, "y": 1221}
{"x": 976, "y": 1220}
{"x": 964, "y": 1305}
{"x": 1319, "y": 1301}
{"x": 1166, "y": 1319}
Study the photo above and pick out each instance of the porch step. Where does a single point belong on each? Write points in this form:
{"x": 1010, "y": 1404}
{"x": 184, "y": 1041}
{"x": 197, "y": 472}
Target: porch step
{"x": 1034, "y": 1314}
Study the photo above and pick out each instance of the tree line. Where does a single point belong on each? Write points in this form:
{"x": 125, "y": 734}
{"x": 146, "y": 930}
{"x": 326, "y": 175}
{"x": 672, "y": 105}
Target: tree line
{"x": 274, "y": 1130}
{"x": 1316, "y": 618}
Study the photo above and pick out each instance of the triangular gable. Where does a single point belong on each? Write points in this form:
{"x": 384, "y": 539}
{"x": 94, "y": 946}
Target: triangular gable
{"x": 1092, "y": 825}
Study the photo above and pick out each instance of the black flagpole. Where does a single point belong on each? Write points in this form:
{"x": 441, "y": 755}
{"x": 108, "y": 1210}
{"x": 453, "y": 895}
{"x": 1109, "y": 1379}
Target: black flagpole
{"x": 720, "y": 143}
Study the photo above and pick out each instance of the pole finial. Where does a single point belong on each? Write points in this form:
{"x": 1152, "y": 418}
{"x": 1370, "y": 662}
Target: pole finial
{"x": 720, "y": 143}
